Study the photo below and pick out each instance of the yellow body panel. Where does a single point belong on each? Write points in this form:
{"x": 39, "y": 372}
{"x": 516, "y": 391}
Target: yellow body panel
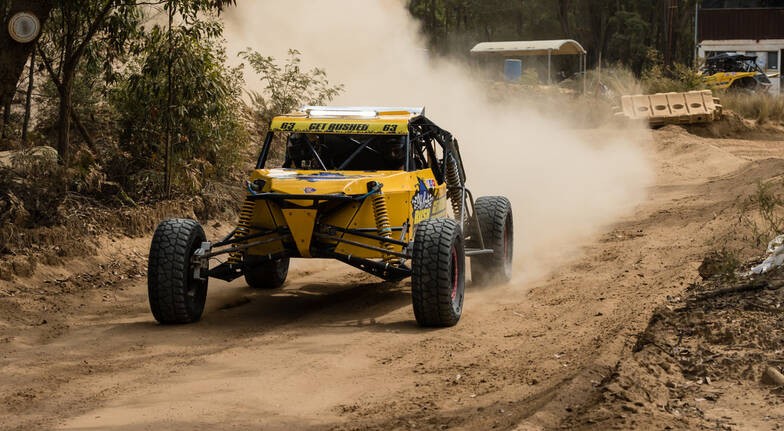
{"x": 723, "y": 80}
{"x": 410, "y": 197}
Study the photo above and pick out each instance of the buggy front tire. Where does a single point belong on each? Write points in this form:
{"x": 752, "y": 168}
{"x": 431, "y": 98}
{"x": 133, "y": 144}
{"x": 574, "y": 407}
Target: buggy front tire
{"x": 438, "y": 273}
{"x": 261, "y": 273}
{"x": 494, "y": 214}
{"x": 175, "y": 295}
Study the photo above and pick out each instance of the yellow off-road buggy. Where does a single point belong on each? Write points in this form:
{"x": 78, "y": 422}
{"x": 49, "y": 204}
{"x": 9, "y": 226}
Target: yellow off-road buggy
{"x": 366, "y": 186}
{"x": 735, "y": 72}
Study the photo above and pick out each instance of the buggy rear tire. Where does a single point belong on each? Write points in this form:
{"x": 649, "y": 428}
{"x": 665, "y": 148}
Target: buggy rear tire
{"x": 175, "y": 295}
{"x": 265, "y": 274}
{"x": 494, "y": 214}
{"x": 438, "y": 273}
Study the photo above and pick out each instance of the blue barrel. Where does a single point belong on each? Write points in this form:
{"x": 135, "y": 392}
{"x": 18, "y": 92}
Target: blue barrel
{"x": 513, "y": 70}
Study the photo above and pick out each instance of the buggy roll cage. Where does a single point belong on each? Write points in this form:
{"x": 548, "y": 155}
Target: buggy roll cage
{"x": 420, "y": 151}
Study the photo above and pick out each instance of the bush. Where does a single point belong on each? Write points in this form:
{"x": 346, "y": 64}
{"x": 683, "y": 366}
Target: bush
{"x": 762, "y": 212}
{"x": 678, "y": 78}
{"x": 209, "y": 136}
{"x": 34, "y": 189}
{"x": 288, "y": 87}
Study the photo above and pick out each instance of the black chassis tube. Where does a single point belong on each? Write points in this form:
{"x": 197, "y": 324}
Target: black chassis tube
{"x": 264, "y": 151}
{"x": 359, "y": 244}
{"x": 362, "y": 234}
{"x": 379, "y": 269}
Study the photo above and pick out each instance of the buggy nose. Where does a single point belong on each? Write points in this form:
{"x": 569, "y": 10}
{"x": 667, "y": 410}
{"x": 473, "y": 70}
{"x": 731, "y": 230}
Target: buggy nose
{"x": 301, "y": 223}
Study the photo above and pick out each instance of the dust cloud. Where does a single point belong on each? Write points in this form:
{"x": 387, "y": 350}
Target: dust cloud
{"x": 565, "y": 184}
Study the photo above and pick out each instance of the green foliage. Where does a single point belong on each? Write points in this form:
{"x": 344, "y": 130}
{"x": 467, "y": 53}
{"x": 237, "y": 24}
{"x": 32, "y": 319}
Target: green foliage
{"x": 629, "y": 40}
{"x": 86, "y": 35}
{"x": 208, "y": 134}
{"x": 287, "y": 87}
{"x": 39, "y": 183}
{"x": 610, "y": 30}
{"x": 454, "y": 26}
{"x": 92, "y": 35}
{"x": 658, "y": 78}
{"x": 191, "y": 10}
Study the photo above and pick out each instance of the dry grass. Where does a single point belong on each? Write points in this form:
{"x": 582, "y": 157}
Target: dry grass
{"x": 764, "y": 108}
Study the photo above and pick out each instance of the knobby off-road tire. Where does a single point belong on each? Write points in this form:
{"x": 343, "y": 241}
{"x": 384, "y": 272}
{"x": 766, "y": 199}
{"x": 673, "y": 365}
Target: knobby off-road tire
{"x": 175, "y": 295}
{"x": 270, "y": 274}
{"x": 494, "y": 214}
{"x": 438, "y": 273}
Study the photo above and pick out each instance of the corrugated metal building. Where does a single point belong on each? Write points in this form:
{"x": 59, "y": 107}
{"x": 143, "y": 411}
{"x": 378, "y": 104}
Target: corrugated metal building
{"x": 751, "y": 27}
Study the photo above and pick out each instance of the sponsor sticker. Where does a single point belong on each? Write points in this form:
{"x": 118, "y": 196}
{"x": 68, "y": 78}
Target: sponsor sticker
{"x": 422, "y": 202}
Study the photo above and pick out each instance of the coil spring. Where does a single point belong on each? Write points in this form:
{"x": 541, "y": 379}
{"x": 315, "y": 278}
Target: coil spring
{"x": 383, "y": 226}
{"x": 453, "y": 188}
{"x": 243, "y": 228}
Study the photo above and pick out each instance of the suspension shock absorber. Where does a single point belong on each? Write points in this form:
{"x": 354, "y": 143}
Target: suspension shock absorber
{"x": 380, "y": 212}
{"x": 243, "y": 228}
{"x": 454, "y": 189}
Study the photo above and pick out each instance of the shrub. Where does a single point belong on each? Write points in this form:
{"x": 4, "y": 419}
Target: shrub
{"x": 208, "y": 133}
{"x": 287, "y": 88}
{"x": 678, "y": 78}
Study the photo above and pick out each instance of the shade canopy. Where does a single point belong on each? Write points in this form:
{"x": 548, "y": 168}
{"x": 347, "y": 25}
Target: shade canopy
{"x": 529, "y": 47}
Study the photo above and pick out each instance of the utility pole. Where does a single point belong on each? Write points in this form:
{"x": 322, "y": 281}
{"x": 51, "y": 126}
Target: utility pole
{"x": 696, "y": 31}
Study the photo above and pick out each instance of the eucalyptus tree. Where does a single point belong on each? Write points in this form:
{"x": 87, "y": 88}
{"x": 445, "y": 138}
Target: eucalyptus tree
{"x": 180, "y": 106}
{"x": 14, "y": 53}
{"x": 83, "y": 33}
{"x": 97, "y": 31}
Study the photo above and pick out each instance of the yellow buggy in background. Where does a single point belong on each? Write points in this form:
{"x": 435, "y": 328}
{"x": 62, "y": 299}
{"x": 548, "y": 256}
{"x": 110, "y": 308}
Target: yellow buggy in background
{"x": 367, "y": 186}
{"x": 735, "y": 72}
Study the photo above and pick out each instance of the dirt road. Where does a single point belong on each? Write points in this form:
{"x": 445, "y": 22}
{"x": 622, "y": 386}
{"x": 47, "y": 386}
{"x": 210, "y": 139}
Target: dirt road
{"x": 336, "y": 349}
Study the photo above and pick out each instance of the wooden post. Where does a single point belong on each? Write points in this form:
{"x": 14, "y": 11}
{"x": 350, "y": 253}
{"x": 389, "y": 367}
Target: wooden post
{"x": 549, "y": 67}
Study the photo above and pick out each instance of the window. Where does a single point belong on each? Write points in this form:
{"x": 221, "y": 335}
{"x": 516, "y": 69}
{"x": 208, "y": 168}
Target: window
{"x": 773, "y": 60}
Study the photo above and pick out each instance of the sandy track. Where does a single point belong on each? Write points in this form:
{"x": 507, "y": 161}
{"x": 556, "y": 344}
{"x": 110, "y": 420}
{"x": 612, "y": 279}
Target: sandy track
{"x": 336, "y": 349}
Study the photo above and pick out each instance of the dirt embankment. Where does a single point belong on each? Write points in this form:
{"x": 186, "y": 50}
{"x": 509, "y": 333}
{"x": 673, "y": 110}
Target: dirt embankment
{"x": 707, "y": 360}
{"x": 336, "y": 349}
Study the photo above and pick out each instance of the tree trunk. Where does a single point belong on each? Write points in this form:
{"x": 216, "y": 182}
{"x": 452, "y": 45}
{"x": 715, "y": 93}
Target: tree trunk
{"x": 14, "y": 54}
{"x": 563, "y": 18}
{"x": 82, "y": 130}
{"x": 6, "y": 118}
{"x": 64, "y": 117}
{"x": 28, "y": 98}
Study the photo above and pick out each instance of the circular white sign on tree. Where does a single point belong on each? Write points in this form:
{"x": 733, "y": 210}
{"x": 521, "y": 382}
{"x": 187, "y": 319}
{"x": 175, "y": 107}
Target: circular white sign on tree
{"x": 24, "y": 27}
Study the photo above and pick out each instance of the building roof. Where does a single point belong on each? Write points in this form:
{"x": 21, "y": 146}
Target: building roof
{"x": 529, "y": 47}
